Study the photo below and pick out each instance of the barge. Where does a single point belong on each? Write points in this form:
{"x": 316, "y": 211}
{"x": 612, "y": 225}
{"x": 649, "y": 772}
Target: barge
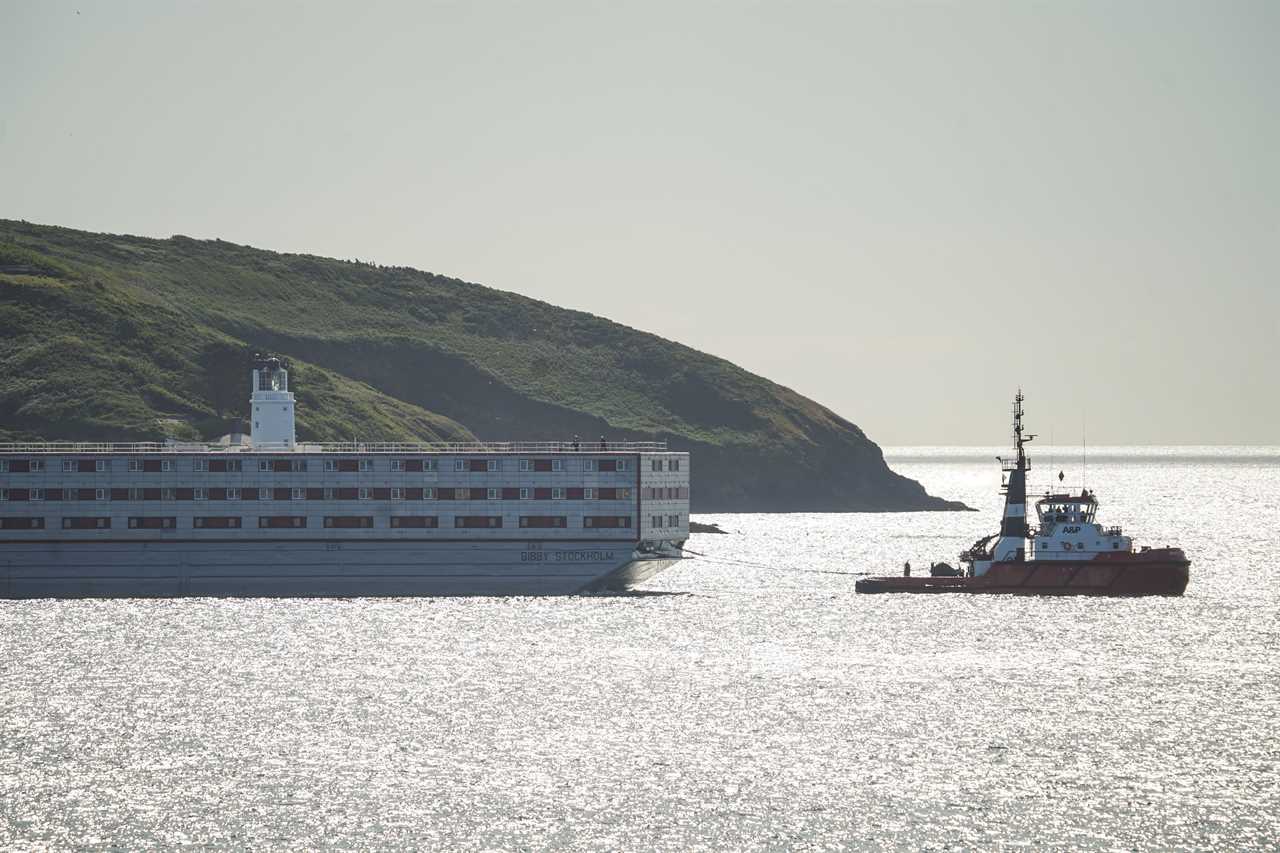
{"x": 271, "y": 516}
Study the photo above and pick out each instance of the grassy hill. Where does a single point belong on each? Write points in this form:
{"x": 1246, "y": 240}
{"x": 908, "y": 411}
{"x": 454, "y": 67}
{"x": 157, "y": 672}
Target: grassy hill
{"x": 127, "y": 338}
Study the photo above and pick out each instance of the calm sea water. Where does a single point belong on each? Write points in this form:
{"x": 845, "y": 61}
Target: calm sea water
{"x": 752, "y": 701}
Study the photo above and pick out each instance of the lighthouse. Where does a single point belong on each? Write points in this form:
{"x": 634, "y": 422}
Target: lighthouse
{"x": 271, "y": 404}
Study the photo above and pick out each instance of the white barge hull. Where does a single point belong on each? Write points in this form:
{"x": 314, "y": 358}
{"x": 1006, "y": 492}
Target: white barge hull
{"x": 294, "y": 569}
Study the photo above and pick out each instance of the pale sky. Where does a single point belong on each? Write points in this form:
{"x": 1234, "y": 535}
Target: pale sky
{"x": 903, "y": 211}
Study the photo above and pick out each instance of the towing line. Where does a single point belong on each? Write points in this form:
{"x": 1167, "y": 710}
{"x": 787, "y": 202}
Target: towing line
{"x": 749, "y": 564}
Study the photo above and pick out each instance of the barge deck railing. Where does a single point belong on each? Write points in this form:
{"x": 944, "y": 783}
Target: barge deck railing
{"x": 337, "y": 448}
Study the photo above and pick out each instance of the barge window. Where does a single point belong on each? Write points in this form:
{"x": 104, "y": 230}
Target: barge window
{"x": 101, "y": 494}
{"x": 217, "y": 522}
{"x": 543, "y": 521}
{"x": 419, "y": 522}
{"x": 135, "y": 465}
{"x": 233, "y": 494}
{"x": 526, "y": 464}
{"x": 557, "y": 494}
{"x": 588, "y": 494}
{"x": 364, "y": 494}
{"x": 397, "y": 465}
{"x": 282, "y": 521}
{"x": 36, "y": 465}
{"x": 264, "y": 464}
{"x": 428, "y": 493}
{"x": 348, "y": 521}
{"x": 69, "y": 466}
{"x": 557, "y": 464}
{"x": 4, "y": 466}
{"x": 459, "y": 464}
{"x": 397, "y": 494}
{"x": 606, "y": 521}
{"x": 152, "y": 523}
{"x": 588, "y": 465}
{"x": 366, "y": 464}
{"x": 330, "y": 465}
{"x": 477, "y": 521}
{"x": 298, "y": 493}
{"x": 491, "y": 494}
{"x": 83, "y": 523}
{"x": 36, "y": 495}
{"x": 524, "y": 494}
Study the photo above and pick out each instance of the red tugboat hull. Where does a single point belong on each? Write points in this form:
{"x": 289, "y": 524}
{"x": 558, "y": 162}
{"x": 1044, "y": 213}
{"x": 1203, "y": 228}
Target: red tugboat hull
{"x": 1155, "y": 571}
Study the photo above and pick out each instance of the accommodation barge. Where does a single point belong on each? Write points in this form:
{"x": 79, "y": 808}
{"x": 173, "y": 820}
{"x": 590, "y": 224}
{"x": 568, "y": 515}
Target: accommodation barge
{"x": 271, "y": 516}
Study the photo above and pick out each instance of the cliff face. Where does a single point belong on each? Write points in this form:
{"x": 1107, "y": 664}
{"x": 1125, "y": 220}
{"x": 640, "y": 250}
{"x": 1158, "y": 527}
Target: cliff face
{"x": 125, "y": 338}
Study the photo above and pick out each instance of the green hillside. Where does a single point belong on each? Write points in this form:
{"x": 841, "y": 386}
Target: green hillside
{"x": 115, "y": 337}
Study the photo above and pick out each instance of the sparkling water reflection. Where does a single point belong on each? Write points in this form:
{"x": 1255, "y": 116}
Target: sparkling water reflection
{"x": 759, "y": 705}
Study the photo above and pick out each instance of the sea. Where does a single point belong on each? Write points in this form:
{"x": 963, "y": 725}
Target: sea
{"x": 746, "y": 699}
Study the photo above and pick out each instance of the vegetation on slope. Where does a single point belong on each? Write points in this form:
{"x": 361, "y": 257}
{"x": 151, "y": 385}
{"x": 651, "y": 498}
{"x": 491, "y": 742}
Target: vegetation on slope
{"x": 106, "y": 336}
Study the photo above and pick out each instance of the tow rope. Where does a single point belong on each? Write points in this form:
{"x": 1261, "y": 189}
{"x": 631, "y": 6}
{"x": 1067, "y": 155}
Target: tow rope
{"x": 773, "y": 567}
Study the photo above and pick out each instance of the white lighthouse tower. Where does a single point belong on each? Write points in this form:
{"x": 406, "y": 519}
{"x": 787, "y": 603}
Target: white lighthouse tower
{"x": 271, "y": 404}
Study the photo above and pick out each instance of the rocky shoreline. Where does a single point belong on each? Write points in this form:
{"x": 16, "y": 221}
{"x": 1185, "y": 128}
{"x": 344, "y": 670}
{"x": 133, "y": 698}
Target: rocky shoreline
{"x": 699, "y": 527}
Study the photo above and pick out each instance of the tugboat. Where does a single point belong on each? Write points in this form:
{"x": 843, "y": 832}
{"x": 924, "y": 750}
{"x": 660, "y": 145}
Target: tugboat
{"x": 1069, "y": 553}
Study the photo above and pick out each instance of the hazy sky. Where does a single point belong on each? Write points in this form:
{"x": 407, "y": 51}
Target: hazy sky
{"x": 901, "y": 210}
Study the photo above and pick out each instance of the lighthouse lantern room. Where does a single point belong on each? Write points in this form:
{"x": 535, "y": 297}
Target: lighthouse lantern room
{"x": 271, "y": 404}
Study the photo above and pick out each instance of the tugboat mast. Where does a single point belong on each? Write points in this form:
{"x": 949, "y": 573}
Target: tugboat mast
{"x": 1012, "y": 542}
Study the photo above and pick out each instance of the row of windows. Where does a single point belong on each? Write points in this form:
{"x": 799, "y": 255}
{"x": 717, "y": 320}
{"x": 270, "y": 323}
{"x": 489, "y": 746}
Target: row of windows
{"x": 671, "y": 465}
{"x": 223, "y": 522}
{"x": 298, "y": 493}
{"x": 659, "y": 493}
{"x": 341, "y": 466}
{"x": 656, "y": 520}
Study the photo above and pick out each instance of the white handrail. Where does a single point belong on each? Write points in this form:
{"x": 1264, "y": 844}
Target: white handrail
{"x": 341, "y": 447}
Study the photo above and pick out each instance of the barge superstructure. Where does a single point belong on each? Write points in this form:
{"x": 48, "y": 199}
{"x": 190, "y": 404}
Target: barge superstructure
{"x": 270, "y": 516}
